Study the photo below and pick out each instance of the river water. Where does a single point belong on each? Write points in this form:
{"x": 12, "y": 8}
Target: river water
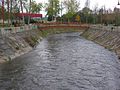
{"x": 63, "y": 62}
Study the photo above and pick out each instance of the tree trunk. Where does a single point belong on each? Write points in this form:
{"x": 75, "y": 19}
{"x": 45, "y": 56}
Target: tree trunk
{"x": 11, "y": 3}
{"x": 29, "y": 12}
{"x": 22, "y": 11}
{"x": 3, "y": 13}
{"x": 8, "y": 12}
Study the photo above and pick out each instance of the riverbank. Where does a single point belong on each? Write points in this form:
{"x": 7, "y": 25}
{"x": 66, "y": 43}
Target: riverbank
{"x": 108, "y": 37}
{"x": 16, "y": 44}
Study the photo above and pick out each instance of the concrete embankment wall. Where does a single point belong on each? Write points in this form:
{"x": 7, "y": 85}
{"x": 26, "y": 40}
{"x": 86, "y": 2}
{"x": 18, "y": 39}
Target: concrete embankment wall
{"x": 109, "y": 37}
{"x": 15, "y": 41}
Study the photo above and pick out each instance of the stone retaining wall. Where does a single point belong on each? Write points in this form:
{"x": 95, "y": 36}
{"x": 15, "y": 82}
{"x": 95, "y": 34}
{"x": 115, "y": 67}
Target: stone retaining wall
{"x": 109, "y": 37}
{"x": 15, "y": 41}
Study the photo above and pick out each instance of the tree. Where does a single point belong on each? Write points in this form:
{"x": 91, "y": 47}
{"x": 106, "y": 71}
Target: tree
{"x": 72, "y": 7}
{"x": 53, "y": 8}
{"x": 8, "y": 5}
{"x": 101, "y": 11}
{"x": 29, "y": 18}
{"x": 117, "y": 19}
{"x": 36, "y": 8}
{"x": 18, "y": 6}
{"x": 87, "y": 3}
{"x": 86, "y": 11}
{"x": 21, "y": 5}
{"x": 95, "y": 12}
{"x": 0, "y": 12}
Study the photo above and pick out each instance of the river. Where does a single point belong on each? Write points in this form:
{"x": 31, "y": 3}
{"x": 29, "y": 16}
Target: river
{"x": 63, "y": 62}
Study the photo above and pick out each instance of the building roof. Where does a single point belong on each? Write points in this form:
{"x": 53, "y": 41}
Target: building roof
{"x": 29, "y": 14}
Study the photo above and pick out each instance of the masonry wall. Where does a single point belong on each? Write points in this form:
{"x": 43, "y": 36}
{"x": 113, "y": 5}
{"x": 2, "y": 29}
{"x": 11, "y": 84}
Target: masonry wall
{"x": 16, "y": 41}
{"x": 107, "y": 36}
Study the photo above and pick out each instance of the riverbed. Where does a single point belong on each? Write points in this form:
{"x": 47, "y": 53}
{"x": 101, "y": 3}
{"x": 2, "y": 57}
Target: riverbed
{"x": 63, "y": 62}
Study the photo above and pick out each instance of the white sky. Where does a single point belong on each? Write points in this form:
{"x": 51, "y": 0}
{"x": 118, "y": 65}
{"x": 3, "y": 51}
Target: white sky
{"x": 107, "y": 3}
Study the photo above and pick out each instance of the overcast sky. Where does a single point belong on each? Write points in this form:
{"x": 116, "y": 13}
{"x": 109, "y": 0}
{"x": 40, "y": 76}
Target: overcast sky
{"x": 107, "y": 3}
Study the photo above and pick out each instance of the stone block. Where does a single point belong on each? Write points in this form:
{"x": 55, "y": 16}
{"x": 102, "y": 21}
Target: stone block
{"x": 9, "y": 52}
{"x": 4, "y": 46}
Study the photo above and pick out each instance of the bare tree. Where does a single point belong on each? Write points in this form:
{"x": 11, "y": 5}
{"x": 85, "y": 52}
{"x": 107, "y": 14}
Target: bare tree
{"x": 95, "y": 12}
{"x": 72, "y": 7}
{"x": 8, "y": 8}
{"x": 87, "y": 3}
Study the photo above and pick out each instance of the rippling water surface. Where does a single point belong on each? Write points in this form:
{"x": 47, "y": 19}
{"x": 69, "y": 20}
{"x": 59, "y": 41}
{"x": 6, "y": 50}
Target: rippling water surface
{"x": 63, "y": 62}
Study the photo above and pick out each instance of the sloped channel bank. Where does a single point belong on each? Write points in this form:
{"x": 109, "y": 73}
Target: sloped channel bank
{"x": 109, "y": 37}
{"x": 14, "y": 44}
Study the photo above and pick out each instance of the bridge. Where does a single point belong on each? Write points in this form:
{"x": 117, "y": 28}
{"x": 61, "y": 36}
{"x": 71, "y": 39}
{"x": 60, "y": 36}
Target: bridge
{"x": 46, "y": 26}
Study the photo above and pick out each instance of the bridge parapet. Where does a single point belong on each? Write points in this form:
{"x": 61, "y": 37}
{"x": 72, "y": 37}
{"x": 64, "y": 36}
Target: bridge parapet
{"x": 70, "y": 25}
